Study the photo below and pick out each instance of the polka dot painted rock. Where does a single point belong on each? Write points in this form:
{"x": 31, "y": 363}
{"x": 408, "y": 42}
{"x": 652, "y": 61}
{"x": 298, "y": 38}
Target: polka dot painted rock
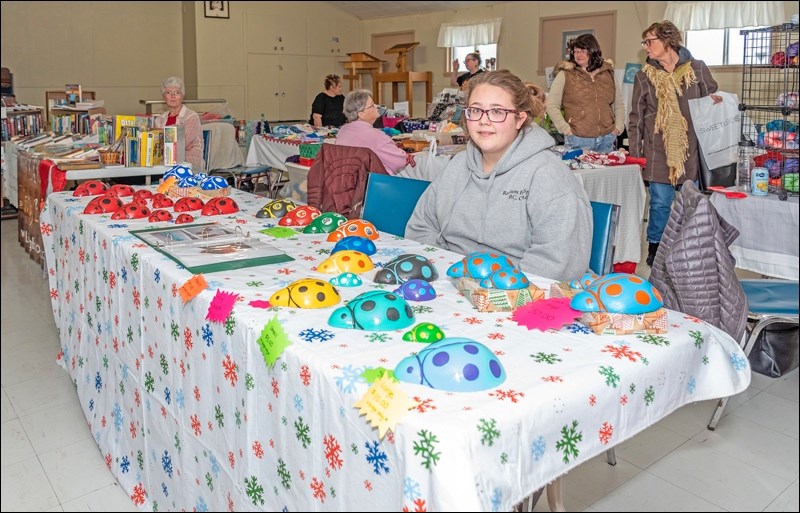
{"x": 425, "y": 333}
{"x": 356, "y": 227}
{"x": 506, "y": 279}
{"x": 306, "y": 293}
{"x": 376, "y": 310}
{"x": 407, "y": 267}
{"x": 584, "y": 281}
{"x": 493, "y": 270}
{"x": 454, "y": 364}
{"x": 178, "y": 172}
{"x": 618, "y": 293}
{"x": 277, "y": 208}
{"x": 346, "y": 262}
{"x": 356, "y": 243}
{"x": 416, "y": 290}
{"x": 325, "y": 223}
{"x": 300, "y": 216}
{"x": 346, "y": 280}
{"x": 90, "y": 188}
{"x": 212, "y": 183}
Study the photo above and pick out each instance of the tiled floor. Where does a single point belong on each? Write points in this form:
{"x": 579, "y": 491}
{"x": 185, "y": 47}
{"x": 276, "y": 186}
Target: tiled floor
{"x": 51, "y": 463}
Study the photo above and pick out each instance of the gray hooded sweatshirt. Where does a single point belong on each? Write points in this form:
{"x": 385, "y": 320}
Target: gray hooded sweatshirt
{"x": 530, "y": 208}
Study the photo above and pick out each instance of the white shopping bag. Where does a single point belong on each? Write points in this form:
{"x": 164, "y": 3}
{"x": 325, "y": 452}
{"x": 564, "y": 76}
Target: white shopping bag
{"x": 717, "y": 127}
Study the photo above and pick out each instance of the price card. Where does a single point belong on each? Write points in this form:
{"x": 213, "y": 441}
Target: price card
{"x": 384, "y": 404}
{"x": 220, "y": 308}
{"x": 372, "y": 374}
{"x": 194, "y": 286}
{"x": 546, "y": 314}
{"x": 272, "y": 341}
{"x": 279, "y": 232}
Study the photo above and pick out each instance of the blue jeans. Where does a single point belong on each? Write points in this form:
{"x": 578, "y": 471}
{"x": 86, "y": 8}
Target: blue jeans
{"x": 602, "y": 144}
{"x": 661, "y": 197}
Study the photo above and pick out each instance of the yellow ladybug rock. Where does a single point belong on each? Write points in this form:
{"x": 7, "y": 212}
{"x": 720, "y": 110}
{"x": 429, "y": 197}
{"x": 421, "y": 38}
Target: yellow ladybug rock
{"x": 348, "y": 261}
{"x": 306, "y": 293}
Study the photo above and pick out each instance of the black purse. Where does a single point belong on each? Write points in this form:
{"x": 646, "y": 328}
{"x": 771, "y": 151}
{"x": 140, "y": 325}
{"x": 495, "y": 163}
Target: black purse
{"x": 776, "y": 350}
{"x": 724, "y": 176}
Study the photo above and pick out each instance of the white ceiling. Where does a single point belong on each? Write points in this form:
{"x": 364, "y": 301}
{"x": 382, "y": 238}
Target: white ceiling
{"x": 372, "y": 10}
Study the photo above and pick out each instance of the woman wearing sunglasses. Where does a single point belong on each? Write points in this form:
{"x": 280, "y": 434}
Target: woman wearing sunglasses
{"x": 507, "y": 192}
{"x": 660, "y": 128}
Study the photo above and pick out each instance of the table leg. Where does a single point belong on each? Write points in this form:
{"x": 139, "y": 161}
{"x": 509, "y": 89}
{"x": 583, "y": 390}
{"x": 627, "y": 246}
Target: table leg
{"x": 554, "y": 499}
{"x": 410, "y": 96}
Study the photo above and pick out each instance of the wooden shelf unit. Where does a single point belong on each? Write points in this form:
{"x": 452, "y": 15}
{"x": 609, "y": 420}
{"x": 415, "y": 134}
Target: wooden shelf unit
{"x": 60, "y": 96}
{"x": 29, "y": 121}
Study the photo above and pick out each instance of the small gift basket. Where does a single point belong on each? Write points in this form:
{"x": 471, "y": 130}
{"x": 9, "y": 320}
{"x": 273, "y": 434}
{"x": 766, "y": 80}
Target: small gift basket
{"x": 110, "y": 157}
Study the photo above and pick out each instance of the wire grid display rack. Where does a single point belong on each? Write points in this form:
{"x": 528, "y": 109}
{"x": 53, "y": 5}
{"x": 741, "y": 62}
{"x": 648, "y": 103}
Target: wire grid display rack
{"x": 770, "y": 86}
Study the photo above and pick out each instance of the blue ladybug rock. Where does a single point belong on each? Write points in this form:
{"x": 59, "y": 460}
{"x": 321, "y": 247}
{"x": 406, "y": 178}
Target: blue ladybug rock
{"x": 178, "y": 171}
{"x": 188, "y": 181}
{"x": 213, "y": 183}
{"x": 506, "y": 279}
{"x": 406, "y": 267}
{"x": 416, "y": 290}
{"x": 355, "y": 243}
{"x": 346, "y": 280}
{"x": 376, "y": 310}
{"x": 618, "y": 293}
{"x": 479, "y": 265}
{"x": 454, "y": 364}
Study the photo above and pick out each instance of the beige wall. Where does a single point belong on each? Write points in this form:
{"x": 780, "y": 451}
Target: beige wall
{"x": 122, "y": 50}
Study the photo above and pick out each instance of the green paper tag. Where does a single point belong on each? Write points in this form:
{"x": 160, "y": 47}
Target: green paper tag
{"x": 371, "y": 375}
{"x": 279, "y": 232}
{"x": 273, "y": 341}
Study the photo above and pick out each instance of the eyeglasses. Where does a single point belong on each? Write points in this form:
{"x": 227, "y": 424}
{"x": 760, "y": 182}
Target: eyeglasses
{"x": 647, "y": 42}
{"x": 580, "y": 51}
{"x": 369, "y": 107}
{"x": 173, "y": 93}
{"x": 495, "y": 115}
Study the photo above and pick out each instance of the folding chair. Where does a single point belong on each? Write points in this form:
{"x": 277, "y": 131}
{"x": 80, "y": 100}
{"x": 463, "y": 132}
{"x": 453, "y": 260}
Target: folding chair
{"x": 390, "y": 201}
{"x": 769, "y": 302}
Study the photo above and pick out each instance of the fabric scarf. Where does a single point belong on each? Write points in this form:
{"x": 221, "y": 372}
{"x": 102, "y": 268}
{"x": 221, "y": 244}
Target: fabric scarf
{"x": 669, "y": 120}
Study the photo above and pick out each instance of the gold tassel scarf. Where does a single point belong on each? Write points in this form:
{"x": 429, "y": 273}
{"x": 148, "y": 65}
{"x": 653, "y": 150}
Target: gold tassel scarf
{"x": 669, "y": 120}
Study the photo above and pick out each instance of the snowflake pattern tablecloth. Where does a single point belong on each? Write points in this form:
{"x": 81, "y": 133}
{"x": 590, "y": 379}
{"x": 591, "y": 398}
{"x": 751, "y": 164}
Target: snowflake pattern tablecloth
{"x": 189, "y": 417}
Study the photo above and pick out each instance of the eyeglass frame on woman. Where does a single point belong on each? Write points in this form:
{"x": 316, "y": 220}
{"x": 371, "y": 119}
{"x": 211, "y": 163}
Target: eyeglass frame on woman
{"x": 505, "y": 112}
{"x": 647, "y": 42}
{"x": 369, "y": 107}
{"x": 173, "y": 93}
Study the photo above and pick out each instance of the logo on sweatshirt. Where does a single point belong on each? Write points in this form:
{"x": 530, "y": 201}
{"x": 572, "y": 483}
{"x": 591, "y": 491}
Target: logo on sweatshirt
{"x": 517, "y": 194}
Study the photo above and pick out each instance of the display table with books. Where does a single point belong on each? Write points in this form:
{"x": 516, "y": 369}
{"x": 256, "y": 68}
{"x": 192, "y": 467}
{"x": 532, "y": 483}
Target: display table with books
{"x": 193, "y": 410}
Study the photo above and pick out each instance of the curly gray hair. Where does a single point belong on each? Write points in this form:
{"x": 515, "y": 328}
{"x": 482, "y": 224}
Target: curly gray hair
{"x": 354, "y": 102}
{"x": 173, "y": 83}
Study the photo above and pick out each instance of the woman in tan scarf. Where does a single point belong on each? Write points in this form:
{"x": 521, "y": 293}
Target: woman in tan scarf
{"x": 660, "y": 127}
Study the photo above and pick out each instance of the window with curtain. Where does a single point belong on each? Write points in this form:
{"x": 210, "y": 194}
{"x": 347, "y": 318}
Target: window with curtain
{"x": 711, "y": 29}
{"x": 462, "y": 38}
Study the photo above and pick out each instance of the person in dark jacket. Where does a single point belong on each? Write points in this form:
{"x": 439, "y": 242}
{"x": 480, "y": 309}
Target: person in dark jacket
{"x": 328, "y": 106}
{"x": 659, "y": 125}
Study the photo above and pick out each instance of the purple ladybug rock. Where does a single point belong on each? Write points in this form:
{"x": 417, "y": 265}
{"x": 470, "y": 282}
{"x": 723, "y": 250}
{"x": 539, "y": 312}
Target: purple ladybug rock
{"x": 416, "y": 290}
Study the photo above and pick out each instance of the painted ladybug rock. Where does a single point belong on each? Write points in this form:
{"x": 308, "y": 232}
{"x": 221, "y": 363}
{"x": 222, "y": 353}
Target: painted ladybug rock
{"x": 188, "y": 205}
{"x": 160, "y": 215}
{"x": 356, "y": 227}
{"x": 120, "y": 190}
{"x": 346, "y": 262}
{"x": 90, "y": 188}
{"x": 416, "y": 290}
{"x": 355, "y": 243}
{"x": 162, "y": 202}
{"x": 220, "y": 206}
{"x": 143, "y": 193}
{"x": 406, "y": 267}
{"x": 300, "y": 216}
{"x": 618, "y": 293}
{"x": 424, "y": 333}
{"x": 277, "y": 208}
{"x": 493, "y": 270}
{"x": 131, "y": 211}
{"x": 306, "y": 293}
{"x": 454, "y": 364}
{"x": 184, "y": 219}
{"x": 376, "y": 310}
{"x": 103, "y": 205}
{"x": 325, "y": 223}
{"x": 139, "y": 200}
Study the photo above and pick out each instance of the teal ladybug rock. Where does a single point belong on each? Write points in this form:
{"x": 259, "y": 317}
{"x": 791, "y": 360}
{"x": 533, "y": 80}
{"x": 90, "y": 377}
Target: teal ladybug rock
{"x": 346, "y": 280}
{"x": 425, "y": 333}
{"x": 618, "y": 293}
{"x": 454, "y": 364}
{"x": 416, "y": 290}
{"x": 375, "y": 310}
{"x": 325, "y": 223}
{"x": 506, "y": 279}
{"x": 479, "y": 265}
{"x": 406, "y": 267}
{"x": 355, "y": 243}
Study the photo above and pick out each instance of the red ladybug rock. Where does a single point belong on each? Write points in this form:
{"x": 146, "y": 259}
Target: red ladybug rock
{"x": 143, "y": 193}
{"x": 90, "y": 188}
{"x": 188, "y": 204}
{"x": 120, "y": 190}
{"x": 219, "y": 206}
{"x": 139, "y": 200}
{"x": 184, "y": 218}
{"x": 103, "y": 205}
{"x": 162, "y": 202}
{"x": 131, "y": 211}
{"x": 160, "y": 215}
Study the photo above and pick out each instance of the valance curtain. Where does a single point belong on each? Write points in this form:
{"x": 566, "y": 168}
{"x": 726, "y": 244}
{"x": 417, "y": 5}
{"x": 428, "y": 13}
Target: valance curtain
{"x": 455, "y": 34}
{"x": 720, "y": 15}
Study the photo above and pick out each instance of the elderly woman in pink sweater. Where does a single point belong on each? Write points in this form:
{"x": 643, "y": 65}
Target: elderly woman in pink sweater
{"x": 361, "y": 113}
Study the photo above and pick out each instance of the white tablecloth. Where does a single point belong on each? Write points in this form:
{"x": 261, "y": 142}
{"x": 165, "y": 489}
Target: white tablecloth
{"x": 189, "y": 416}
{"x": 270, "y": 152}
{"x": 768, "y": 239}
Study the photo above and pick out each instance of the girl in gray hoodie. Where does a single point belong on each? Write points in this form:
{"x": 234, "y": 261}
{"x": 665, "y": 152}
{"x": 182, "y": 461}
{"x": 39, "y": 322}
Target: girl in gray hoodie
{"x": 507, "y": 193}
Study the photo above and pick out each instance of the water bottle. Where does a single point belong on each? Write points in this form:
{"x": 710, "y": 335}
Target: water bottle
{"x": 760, "y": 181}
{"x": 745, "y": 164}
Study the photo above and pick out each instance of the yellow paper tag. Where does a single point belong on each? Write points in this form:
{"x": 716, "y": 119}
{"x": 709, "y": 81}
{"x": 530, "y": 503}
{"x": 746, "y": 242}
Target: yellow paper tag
{"x": 193, "y": 286}
{"x": 273, "y": 341}
{"x": 384, "y": 404}
{"x": 166, "y": 184}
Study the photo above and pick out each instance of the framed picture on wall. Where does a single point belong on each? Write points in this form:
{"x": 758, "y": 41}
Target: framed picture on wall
{"x": 217, "y": 9}
{"x": 568, "y": 36}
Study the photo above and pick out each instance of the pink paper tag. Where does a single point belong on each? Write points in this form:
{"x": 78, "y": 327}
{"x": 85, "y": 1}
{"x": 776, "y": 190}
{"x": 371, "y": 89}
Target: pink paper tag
{"x": 220, "y": 308}
{"x": 546, "y": 314}
{"x": 258, "y": 303}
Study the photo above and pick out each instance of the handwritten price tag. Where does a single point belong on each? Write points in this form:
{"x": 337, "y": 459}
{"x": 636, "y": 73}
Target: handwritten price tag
{"x": 220, "y": 308}
{"x": 546, "y": 314}
{"x": 273, "y": 341}
{"x": 194, "y": 286}
{"x": 384, "y": 404}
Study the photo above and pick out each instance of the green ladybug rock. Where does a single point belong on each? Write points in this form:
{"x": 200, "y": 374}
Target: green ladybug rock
{"x": 425, "y": 333}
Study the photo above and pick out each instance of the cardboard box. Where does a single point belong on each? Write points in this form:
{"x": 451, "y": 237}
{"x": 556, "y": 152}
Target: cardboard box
{"x": 562, "y": 289}
{"x": 496, "y": 300}
{"x": 603, "y": 323}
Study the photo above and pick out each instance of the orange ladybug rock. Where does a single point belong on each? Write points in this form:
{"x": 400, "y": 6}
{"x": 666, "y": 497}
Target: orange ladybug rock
{"x": 356, "y": 227}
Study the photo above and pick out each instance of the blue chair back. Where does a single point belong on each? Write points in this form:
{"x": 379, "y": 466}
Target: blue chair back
{"x": 390, "y": 200}
{"x": 606, "y": 219}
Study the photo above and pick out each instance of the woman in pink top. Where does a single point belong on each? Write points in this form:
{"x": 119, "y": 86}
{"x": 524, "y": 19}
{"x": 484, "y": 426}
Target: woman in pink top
{"x": 173, "y": 90}
{"x": 361, "y": 112}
